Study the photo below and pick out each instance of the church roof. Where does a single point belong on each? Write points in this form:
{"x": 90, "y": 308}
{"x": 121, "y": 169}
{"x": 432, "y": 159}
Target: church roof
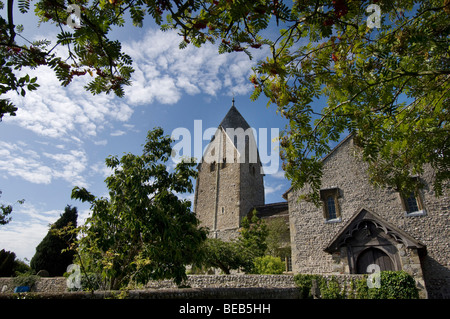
{"x": 234, "y": 119}
{"x": 271, "y": 210}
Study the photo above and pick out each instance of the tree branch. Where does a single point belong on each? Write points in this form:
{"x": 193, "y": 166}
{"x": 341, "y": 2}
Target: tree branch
{"x": 12, "y": 34}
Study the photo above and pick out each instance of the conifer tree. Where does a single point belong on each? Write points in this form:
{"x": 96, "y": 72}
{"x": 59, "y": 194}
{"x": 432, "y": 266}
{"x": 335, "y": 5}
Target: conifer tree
{"x": 49, "y": 255}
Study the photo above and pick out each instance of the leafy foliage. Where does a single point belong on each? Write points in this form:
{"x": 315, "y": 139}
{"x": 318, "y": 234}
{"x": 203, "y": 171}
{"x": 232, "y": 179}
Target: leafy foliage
{"x": 6, "y": 210}
{"x": 268, "y": 265}
{"x": 6, "y": 263}
{"x": 393, "y": 285}
{"x": 143, "y": 230}
{"x": 278, "y": 238}
{"x": 253, "y": 234}
{"x": 240, "y": 253}
{"x": 26, "y": 280}
{"x": 389, "y": 86}
{"x": 51, "y": 253}
{"x": 89, "y": 49}
{"x": 225, "y": 255}
{"x": 10, "y": 266}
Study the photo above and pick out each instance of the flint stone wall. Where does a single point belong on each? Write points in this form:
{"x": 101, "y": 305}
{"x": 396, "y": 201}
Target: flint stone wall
{"x": 310, "y": 233}
{"x": 58, "y": 284}
{"x": 230, "y": 281}
{"x": 200, "y": 286}
{"x": 44, "y": 284}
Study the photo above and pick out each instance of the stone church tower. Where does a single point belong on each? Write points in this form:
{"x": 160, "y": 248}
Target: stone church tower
{"x": 230, "y": 177}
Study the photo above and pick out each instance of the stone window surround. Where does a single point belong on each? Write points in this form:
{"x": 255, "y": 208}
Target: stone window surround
{"x": 418, "y": 195}
{"x": 324, "y": 194}
{"x": 421, "y": 212}
{"x": 334, "y": 191}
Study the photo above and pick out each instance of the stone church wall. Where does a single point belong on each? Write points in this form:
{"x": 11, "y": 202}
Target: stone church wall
{"x": 252, "y": 187}
{"x": 217, "y": 201}
{"x": 226, "y": 192}
{"x": 310, "y": 232}
{"x": 228, "y": 205}
{"x": 204, "y": 201}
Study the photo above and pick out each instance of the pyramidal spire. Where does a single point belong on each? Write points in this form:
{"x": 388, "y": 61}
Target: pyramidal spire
{"x": 234, "y": 119}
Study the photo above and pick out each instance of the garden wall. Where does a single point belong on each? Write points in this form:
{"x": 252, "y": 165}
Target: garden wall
{"x": 230, "y": 281}
{"x": 44, "y": 284}
{"x": 58, "y": 284}
{"x": 198, "y": 286}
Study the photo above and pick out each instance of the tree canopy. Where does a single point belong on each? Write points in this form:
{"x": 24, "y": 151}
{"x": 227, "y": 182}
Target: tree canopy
{"x": 377, "y": 69}
{"x": 240, "y": 253}
{"x": 6, "y": 210}
{"x": 142, "y": 231}
{"x": 52, "y": 253}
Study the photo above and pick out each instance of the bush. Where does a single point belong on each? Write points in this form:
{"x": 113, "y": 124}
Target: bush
{"x": 393, "y": 285}
{"x": 7, "y": 263}
{"x": 268, "y": 265}
{"x": 10, "y": 266}
{"x": 304, "y": 283}
{"x": 329, "y": 288}
{"x": 21, "y": 267}
{"x": 26, "y": 280}
{"x": 89, "y": 282}
{"x": 224, "y": 255}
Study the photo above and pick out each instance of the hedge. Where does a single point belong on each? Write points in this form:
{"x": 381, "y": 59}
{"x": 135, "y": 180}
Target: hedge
{"x": 393, "y": 285}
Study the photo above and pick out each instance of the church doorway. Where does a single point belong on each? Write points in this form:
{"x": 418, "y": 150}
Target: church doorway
{"x": 373, "y": 256}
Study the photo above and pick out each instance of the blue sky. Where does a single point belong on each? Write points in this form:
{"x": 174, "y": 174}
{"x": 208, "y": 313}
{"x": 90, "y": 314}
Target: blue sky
{"x": 62, "y": 135}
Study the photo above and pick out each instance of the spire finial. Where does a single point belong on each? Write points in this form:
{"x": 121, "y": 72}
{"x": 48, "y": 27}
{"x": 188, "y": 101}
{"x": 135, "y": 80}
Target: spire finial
{"x": 232, "y": 101}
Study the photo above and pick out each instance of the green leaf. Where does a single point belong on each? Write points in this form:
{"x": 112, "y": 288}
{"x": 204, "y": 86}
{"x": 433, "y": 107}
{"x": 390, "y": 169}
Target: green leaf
{"x": 24, "y": 6}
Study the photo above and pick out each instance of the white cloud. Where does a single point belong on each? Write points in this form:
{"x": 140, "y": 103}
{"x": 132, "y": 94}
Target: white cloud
{"x": 101, "y": 169}
{"x": 118, "y": 133}
{"x": 22, "y": 161}
{"x": 69, "y": 166}
{"x": 22, "y": 238}
{"x": 101, "y": 142}
{"x": 29, "y": 226}
{"x": 18, "y": 161}
{"x": 279, "y": 174}
{"x": 164, "y": 72}
{"x": 65, "y": 112}
{"x": 272, "y": 189}
{"x": 27, "y": 229}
